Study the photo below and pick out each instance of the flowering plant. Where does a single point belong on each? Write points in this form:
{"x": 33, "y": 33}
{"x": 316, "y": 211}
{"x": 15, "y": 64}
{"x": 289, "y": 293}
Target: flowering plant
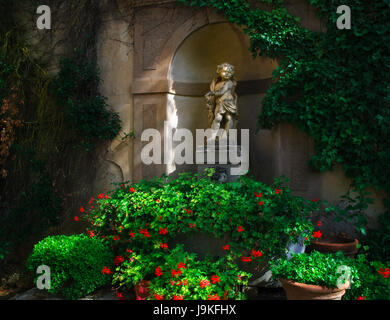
{"x": 140, "y": 221}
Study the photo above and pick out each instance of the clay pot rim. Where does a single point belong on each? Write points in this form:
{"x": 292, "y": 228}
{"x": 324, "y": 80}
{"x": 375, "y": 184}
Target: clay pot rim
{"x": 313, "y": 287}
{"x": 352, "y": 243}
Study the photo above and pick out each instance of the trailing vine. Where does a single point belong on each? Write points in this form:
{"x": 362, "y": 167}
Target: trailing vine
{"x": 333, "y": 85}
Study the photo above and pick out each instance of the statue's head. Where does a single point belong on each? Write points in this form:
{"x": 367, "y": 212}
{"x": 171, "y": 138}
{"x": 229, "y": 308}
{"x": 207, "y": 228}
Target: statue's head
{"x": 225, "y": 70}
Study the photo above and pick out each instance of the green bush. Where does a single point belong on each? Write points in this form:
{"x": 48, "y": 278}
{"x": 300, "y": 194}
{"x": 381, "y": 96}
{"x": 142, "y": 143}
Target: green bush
{"x": 374, "y": 279}
{"x": 75, "y": 262}
{"x": 315, "y": 268}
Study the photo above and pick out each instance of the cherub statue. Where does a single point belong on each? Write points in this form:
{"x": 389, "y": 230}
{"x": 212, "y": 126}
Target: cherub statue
{"x": 222, "y": 99}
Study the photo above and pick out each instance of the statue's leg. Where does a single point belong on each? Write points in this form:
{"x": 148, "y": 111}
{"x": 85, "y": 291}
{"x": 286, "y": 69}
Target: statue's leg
{"x": 229, "y": 121}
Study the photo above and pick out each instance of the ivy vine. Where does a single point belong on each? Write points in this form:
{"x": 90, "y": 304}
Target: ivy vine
{"x": 333, "y": 85}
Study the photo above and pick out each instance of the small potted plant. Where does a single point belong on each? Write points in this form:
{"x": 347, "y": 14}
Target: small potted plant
{"x": 315, "y": 276}
{"x": 349, "y": 210}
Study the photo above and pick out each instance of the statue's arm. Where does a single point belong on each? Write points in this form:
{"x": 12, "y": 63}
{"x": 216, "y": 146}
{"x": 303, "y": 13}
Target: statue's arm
{"x": 228, "y": 85}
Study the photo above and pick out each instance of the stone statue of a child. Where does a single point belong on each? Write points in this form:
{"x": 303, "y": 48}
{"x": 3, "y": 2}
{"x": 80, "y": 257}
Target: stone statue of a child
{"x": 222, "y": 99}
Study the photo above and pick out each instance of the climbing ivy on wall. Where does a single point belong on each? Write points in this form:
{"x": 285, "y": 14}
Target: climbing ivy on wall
{"x": 333, "y": 85}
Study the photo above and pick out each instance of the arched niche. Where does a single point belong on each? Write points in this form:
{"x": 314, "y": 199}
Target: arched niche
{"x": 193, "y": 66}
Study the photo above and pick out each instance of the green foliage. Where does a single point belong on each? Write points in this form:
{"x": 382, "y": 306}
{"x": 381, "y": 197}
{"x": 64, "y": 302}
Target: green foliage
{"x": 315, "y": 268}
{"x": 374, "y": 280}
{"x": 75, "y": 262}
{"x": 86, "y": 110}
{"x": 332, "y": 85}
{"x": 181, "y": 275}
{"x": 255, "y": 221}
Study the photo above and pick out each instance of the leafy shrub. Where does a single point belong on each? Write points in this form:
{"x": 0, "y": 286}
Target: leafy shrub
{"x": 374, "y": 279}
{"x": 181, "y": 276}
{"x": 255, "y": 221}
{"x": 75, "y": 262}
{"x": 315, "y": 268}
{"x": 87, "y": 111}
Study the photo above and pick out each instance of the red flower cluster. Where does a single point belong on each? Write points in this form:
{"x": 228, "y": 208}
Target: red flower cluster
{"x": 91, "y": 233}
{"x": 319, "y": 223}
{"x": 163, "y": 245}
{"x": 384, "y": 273}
{"x": 277, "y": 191}
{"x": 192, "y": 225}
{"x": 240, "y": 228}
{"x": 246, "y": 259}
{"x": 101, "y": 196}
{"x": 116, "y": 238}
{"x": 361, "y": 298}
{"x": 181, "y": 265}
{"x": 81, "y": 209}
{"x": 159, "y": 297}
{"x": 158, "y": 271}
{"x": 132, "y": 234}
{"x": 215, "y": 279}
{"x": 145, "y": 232}
{"x": 129, "y": 250}
{"x": 120, "y": 296}
{"x": 177, "y": 297}
{"x": 204, "y": 283}
{"x": 213, "y": 297}
{"x": 258, "y": 194}
{"x": 118, "y": 260}
{"x": 132, "y": 190}
{"x": 256, "y": 253}
{"x": 188, "y": 211}
{"x": 106, "y": 270}
{"x": 76, "y": 218}
{"x": 175, "y": 272}
{"x": 226, "y": 247}
{"x": 317, "y": 234}
{"x": 261, "y": 203}
{"x": 163, "y": 231}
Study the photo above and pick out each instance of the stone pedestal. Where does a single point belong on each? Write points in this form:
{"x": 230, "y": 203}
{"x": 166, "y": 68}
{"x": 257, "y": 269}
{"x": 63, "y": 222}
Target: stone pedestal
{"x": 222, "y": 158}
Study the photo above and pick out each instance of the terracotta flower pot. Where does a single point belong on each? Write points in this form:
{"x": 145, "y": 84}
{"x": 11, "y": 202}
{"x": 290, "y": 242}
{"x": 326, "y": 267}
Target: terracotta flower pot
{"x": 329, "y": 244}
{"x": 301, "y": 291}
{"x": 142, "y": 290}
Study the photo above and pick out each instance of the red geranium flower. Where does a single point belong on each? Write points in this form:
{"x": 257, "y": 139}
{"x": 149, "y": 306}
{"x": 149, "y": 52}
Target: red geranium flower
{"x": 120, "y": 296}
{"x": 261, "y": 203}
{"x": 163, "y": 231}
{"x": 188, "y": 211}
{"x": 159, "y": 297}
{"x": 76, "y": 218}
{"x": 106, "y": 270}
{"x": 129, "y": 250}
{"x": 256, "y": 253}
{"x": 91, "y": 233}
{"x": 163, "y": 245}
{"x": 319, "y": 223}
{"x": 246, "y": 259}
{"x": 226, "y": 247}
{"x": 101, "y": 196}
{"x": 361, "y": 298}
{"x": 181, "y": 265}
{"x": 90, "y": 201}
{"x": 258, "y": 194}
{"x": 175, "y": 272}
{"x": 204, "y": 283}
{"x": 158, "y": 271}
{"x": 185, "y": 282}
{"x": 145, "y": 232}
{"x": 192, "y": 225}
{"x": 132, "y": 234}
{"x": 315, "y": 200}
{"x": 384, "y": 273}
{"x": 214, "y": 279}
{"x": 213, "y": 297}
{"x": 277, "y": 191}
{"x": 81, "y": 209}
{"x": 116, "y": 238}
{"x": 240, "y": 228}
{"x": 317, "y": 234}
{"x": 132, "y": 190}
{"x": 118, "y": 260}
